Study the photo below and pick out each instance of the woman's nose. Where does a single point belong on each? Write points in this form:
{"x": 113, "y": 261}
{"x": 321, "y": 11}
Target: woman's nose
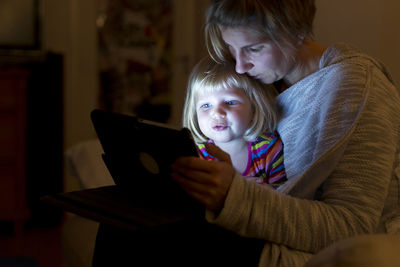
{"x": 242, "y": 64}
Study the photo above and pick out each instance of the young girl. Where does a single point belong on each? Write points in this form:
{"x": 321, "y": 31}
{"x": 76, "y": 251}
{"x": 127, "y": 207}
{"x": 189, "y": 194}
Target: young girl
{"x": 235, "y": 113}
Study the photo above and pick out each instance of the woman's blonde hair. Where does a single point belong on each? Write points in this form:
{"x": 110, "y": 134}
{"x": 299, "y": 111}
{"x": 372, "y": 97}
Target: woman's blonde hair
{"x": 209, "y": 76}
{"x": 284, "y": 22}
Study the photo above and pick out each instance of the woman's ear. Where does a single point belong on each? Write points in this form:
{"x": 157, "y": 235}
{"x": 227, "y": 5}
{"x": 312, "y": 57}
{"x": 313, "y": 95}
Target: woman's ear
{"x": 300, "y": 40}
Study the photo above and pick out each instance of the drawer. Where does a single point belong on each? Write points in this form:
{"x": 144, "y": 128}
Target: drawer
{"x": 8, "y": 190}
{"x": 8, "y": 137}
{"x": 12, "y": 87}
{"x": 8, "y": 94}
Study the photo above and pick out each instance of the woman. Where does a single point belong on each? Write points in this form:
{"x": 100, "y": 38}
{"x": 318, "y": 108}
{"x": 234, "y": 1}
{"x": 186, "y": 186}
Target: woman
{"x": 339, "y": 123}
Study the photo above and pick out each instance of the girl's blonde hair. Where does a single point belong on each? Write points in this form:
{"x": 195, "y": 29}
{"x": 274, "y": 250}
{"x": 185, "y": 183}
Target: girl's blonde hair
{"x": 285, "y": 22}
{"x": 208, "y": 76}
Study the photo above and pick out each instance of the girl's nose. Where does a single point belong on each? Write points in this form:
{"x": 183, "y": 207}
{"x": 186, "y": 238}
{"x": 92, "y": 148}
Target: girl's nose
{"x": 218, "y": 113}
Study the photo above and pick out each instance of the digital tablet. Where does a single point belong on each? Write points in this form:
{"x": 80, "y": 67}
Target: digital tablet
{"x": 138, "y": 153}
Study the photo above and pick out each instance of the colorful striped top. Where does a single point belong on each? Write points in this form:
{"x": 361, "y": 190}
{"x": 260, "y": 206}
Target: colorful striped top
{"x": 265, "y": 159}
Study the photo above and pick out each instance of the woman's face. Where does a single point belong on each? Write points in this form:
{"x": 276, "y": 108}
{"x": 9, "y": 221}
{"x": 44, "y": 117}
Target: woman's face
{"x": 261, "y": 59}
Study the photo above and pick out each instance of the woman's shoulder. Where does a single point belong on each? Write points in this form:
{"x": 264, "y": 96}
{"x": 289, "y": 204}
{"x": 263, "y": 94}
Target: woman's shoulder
{"x": 346, "y": 67}
{"x": 343, "y": 57}
{"x": 341, "y": 52}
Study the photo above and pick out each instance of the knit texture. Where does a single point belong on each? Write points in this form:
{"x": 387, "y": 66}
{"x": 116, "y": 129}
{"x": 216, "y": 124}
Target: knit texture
{"x": 340, "y": 128}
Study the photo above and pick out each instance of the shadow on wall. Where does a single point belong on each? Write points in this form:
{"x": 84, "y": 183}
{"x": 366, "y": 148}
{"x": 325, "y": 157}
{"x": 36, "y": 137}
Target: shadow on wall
{"x": 366, "y": 24}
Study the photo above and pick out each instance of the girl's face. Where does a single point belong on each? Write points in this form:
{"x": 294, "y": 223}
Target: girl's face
{"x": 261, "y": 59}
{"x": 224, "y": 115}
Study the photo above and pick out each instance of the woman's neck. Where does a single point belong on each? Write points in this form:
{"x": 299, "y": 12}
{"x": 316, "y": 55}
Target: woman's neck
{"x": 307, "y": 62}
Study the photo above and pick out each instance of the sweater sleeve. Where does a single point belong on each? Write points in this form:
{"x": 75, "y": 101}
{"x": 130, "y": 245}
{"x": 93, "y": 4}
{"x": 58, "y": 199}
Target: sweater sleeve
{"x": 354, "y": 193}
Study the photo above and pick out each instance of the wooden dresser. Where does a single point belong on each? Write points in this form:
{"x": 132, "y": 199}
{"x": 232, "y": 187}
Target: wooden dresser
{"x": 13, "y": 92}
{"x": 31, "y": 138}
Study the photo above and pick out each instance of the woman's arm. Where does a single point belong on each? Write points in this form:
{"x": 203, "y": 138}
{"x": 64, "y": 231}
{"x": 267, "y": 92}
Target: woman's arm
{"x": 353, "y": 198}
{"x": 353, "y": 195}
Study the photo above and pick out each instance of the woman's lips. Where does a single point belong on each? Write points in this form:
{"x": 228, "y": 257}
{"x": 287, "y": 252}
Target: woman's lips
{"x": 255, "y": 76}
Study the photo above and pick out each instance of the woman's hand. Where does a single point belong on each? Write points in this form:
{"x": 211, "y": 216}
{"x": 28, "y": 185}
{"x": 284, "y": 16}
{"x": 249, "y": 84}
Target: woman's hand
{"x": 206, "y": 181}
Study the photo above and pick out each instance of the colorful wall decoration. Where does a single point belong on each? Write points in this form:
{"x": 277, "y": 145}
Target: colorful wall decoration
{"x": 135, "y": 56}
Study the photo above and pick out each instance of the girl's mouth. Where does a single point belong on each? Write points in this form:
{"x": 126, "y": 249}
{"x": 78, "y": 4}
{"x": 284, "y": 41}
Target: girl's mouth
{"x": 219, "y": 127}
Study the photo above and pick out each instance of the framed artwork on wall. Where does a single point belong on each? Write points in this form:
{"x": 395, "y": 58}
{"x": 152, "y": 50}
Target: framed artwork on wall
{"x": 135, "y": 56}
{"x": 20, "y": 25}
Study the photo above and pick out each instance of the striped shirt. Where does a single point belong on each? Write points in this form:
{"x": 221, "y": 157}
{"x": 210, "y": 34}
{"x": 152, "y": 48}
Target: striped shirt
{"x": 265, "y": 159}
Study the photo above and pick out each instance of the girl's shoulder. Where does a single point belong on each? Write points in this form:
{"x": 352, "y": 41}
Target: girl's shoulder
{"x": 266, "y": 139}
{"x": 267, "y": 136}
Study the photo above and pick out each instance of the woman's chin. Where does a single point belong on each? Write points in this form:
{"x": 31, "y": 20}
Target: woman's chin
{"x": 267, "y": 80}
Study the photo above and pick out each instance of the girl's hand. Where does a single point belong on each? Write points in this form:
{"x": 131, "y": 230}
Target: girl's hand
{"x": 206, "y": 181}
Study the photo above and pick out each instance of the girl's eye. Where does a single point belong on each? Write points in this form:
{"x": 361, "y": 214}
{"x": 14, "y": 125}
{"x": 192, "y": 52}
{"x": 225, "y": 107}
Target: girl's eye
{"x": 203, "y": 106}
{"x": 231, "y": 102}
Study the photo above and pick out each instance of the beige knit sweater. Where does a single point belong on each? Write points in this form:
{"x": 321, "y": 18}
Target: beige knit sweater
{"x": 341, "y": 132}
